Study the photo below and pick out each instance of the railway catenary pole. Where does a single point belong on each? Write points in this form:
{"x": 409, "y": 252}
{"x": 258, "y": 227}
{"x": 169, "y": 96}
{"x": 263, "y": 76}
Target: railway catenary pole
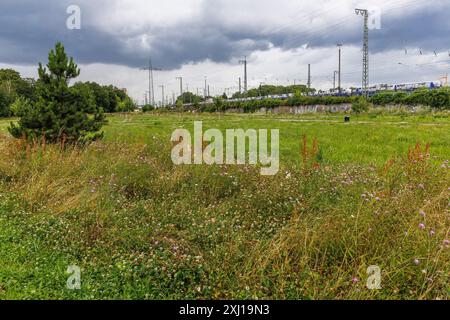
{"x": 244, "y": 62}
{"x": 309, "y": 76}
{"x": 365, "y": 74}
{"x": 339, "y": 70}
{"x": 181, "y": 85}
{"x": 334, "y": 79}
{"x": 162, "y": 87}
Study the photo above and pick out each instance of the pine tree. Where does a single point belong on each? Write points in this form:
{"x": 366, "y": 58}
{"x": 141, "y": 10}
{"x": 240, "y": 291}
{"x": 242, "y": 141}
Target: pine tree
{"x": 60, "y": 112}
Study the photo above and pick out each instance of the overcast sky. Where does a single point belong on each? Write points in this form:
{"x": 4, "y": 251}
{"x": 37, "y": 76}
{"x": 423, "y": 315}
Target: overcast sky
{"x": 198, "y": 38}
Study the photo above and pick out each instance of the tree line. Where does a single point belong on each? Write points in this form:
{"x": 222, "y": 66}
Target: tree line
{"x": 17, "y": 93}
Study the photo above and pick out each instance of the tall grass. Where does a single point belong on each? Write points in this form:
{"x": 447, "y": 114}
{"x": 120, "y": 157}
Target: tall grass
{"x": 141, "y": 227}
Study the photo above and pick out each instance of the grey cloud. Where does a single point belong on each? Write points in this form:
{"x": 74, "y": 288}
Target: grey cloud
{"x": 29, "y": 28}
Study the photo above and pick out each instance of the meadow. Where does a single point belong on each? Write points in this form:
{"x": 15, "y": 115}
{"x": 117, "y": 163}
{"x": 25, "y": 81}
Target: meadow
{"x": 372, "y": 192}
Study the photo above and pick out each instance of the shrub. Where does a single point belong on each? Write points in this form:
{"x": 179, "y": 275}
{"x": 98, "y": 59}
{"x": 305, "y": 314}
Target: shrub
{"x": 437, "y": 98}
{"x": 148, "y": 108}
{"x": 127, "y": 105}
{"x": 361, "y": 105}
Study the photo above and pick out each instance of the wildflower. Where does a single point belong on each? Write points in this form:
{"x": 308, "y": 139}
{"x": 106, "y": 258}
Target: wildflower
{"x": 421, "y": 186}
{"x": 432, "y": 233}
{"x": 355, "y": 280}
{"x": 416, "y": 262}
{"x": 446, "y": 243}
{"x": 422, "y": 213}
{"x": 421, "y": 226}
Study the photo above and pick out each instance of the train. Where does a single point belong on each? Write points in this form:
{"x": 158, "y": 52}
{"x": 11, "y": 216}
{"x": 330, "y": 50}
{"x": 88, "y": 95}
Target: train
{"x": 372, "y": 90}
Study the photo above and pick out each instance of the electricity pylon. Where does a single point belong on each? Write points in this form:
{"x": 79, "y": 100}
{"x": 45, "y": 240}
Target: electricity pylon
{"x": 365, "y": 76}
{"x": 151, "y": 87}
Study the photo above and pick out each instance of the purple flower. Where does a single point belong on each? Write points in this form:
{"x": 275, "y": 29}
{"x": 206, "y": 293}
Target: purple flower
{"x": 446, "y": 243}
{"x": 422, "y": 213}
{"x": 421, "y": 226}
{"x": 355, "y": 280}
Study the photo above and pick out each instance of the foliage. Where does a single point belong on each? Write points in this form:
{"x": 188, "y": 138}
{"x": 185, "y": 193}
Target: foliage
{"x": 219, "y": 104}
{"x": 14, "y": 85}
{"x": 126, "y": 105}
{"x": 189, "y": 97}
{"x": 438, "y": 99}
{"x": 109, "y": 98}
{"x": 148, "y": 108}
{"x": 4, "y": 104}
{"x": 270, "y": 90}
{"x": 60, "y": 112}
{"x": 360, "y": 105}
{"x": 20, "y": 107}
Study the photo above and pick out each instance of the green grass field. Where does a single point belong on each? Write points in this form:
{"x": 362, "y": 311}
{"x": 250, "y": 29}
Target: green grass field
{"x": 141, "y": 228}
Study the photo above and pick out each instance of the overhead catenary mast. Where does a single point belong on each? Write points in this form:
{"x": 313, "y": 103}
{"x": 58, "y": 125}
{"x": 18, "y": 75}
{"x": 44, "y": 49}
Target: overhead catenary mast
{"x": 309, "y": 76}
{"x": 244, "y": 62}
{"x": 163, "y": 94}
{"x": 181, "y": 85}
{"x": 365, "y": 74}
{"x": 339, "y": 70}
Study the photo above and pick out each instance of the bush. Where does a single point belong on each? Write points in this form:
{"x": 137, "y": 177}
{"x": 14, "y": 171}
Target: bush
{"x": 148, "y": 108}
{"x": 127, "y": 105}
{"x": 437, "y": 98}
{"x": 361, "y": 105}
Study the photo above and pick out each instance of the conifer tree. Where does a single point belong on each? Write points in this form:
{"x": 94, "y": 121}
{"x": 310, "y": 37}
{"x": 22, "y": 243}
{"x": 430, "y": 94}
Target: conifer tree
{"x": 60, "y": 112}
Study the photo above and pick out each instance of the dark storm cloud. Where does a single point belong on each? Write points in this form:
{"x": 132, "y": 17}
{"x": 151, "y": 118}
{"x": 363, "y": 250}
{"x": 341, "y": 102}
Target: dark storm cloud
{"x": 29, "y": 28}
